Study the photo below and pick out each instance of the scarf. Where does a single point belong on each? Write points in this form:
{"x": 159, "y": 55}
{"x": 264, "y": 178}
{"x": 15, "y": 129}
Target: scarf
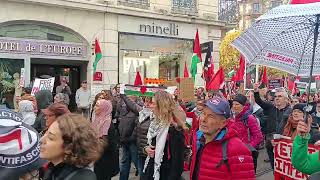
{"x": 160, "y": 131}
{"x": 290, "y": 129}
{"x": 144, "y": 114}
{"x": 101, "y": 122}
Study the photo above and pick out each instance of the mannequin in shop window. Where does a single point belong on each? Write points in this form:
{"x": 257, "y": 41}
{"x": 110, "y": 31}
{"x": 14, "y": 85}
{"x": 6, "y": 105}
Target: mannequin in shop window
{"x": 65, "y": 89}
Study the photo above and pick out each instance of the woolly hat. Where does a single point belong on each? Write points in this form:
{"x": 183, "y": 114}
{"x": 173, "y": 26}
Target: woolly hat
{"x": 299, "y": 106}
{"x": 240, "y": 99}
{"x": 19, "y": 146}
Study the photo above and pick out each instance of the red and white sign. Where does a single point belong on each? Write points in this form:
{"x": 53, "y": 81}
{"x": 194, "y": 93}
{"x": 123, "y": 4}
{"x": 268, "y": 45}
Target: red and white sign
{"x": 280, "y": 58}
{"x": 97, "y": 76}
{"x": 283, "y": 169}
{"x": 317, "y": 77}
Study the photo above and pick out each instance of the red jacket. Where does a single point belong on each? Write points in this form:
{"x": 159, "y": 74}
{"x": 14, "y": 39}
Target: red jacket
{"x": 245, "y": 121}
{"x": 239, "y": 159}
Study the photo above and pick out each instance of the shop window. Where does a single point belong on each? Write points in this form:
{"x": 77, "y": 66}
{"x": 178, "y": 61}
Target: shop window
{"x": 135, "y": 3}
{"x": 184, "y": 6}
{"x": 10, "y": 70}
{"x": 153, "y": 57}
{"x": 256, "y": 8}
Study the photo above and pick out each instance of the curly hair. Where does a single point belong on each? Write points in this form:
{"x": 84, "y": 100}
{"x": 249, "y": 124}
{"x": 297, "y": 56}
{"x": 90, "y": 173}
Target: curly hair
{"x": 80, "y": 141}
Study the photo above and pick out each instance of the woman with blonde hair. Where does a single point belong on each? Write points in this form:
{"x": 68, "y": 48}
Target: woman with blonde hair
{"x": 165, "y": 136}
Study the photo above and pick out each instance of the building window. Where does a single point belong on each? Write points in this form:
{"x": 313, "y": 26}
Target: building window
{"x": 275, "y": 4}
{"x": 184, "y": 7}
{"x": 256, "y": 8}
{"x": 144, "y": 4}
{"x": 54, "y": 37}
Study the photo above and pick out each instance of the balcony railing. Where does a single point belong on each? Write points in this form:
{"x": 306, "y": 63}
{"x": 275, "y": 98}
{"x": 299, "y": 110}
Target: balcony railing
{"x": 184, "y": 7}
{"x": 144, "y": 4}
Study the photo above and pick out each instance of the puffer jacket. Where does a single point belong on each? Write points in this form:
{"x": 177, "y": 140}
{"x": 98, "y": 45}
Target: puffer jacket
{"x": 247, "y": 127}
{"x": 141, "y": 131}
{"x": 209, "y": 155}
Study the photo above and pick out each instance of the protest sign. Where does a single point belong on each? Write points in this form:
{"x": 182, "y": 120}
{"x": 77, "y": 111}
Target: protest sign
{"x": 275, "y": 83}
{"x": 250, "y": 77}
{"x": 186, "y": 88}
{"x": 283, "y": 169}
{"x": 42, "y": 84}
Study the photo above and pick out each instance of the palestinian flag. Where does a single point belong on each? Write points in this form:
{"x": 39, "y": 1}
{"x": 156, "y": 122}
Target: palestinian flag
{"x": 97, "y": 51}
{"x": 196, "y": 57}
{"x": 148, "y": 91}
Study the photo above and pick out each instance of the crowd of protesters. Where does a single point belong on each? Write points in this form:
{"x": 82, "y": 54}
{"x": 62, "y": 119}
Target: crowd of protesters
{"x": 216, "y": 137}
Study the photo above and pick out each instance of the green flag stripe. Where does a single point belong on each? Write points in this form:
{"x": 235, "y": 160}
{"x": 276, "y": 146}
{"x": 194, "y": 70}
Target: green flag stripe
{"x": 138, "y": 93}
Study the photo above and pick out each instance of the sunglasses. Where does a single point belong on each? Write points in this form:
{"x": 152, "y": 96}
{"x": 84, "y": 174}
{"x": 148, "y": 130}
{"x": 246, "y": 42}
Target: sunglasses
{"x": 84, "y": 82}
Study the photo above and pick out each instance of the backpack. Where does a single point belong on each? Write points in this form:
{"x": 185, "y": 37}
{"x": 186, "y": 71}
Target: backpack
{"x": 224, "y": 159}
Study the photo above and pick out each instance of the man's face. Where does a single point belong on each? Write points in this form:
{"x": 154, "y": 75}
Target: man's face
{"x": 210, "y": 122}
{"x": 279, "y": 99}
{"x": 318, "y": 107}
{"x": 84, "y": 84}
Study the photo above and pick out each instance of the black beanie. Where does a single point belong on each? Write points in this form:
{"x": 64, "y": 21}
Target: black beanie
{"x": 240, "y": 99}
{"x": 299, "y": 106}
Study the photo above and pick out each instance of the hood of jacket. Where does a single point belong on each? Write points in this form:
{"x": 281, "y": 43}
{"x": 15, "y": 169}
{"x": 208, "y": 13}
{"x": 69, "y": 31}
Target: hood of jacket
{"x": 44, "y": 99}
{"x": 244, "y": 114}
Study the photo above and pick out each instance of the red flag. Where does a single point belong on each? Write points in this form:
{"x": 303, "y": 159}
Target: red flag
{"x": 138, "y": 81}
{"x": 303, "y": 1}
{"x": 241, "y": 70}
{"x": 196, "y": 46}
{"x": 217, "y": 80}
{"x": 264, "y": 78}
{"x": 185, "y": 71}
{"x": 292, "y": 86}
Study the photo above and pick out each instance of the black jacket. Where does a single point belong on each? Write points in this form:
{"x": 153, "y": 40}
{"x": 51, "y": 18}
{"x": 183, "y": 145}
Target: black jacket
{"x": 273, "y": 119}
{"x": 127, "y": 122}
{"x": 141, "y": 130}
{"x": 172, "y": 164}
{"x": 108, "y": 165}
{"x": 61, "y": 171}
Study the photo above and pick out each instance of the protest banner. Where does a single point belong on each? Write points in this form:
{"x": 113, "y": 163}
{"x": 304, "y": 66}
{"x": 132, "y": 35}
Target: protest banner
{"x": 42, "y": 84}
{"x": 140, "y": 90}
{"x": 283, "y": 169}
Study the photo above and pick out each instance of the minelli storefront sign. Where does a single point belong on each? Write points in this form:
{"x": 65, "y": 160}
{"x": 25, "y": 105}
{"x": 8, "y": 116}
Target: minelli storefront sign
{"x": 171, "y": 29}
{"x": 42, "y": 48}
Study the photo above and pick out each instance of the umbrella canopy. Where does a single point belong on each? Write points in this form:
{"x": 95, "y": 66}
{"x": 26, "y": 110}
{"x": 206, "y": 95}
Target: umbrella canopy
{"x": 283, "y": 38}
